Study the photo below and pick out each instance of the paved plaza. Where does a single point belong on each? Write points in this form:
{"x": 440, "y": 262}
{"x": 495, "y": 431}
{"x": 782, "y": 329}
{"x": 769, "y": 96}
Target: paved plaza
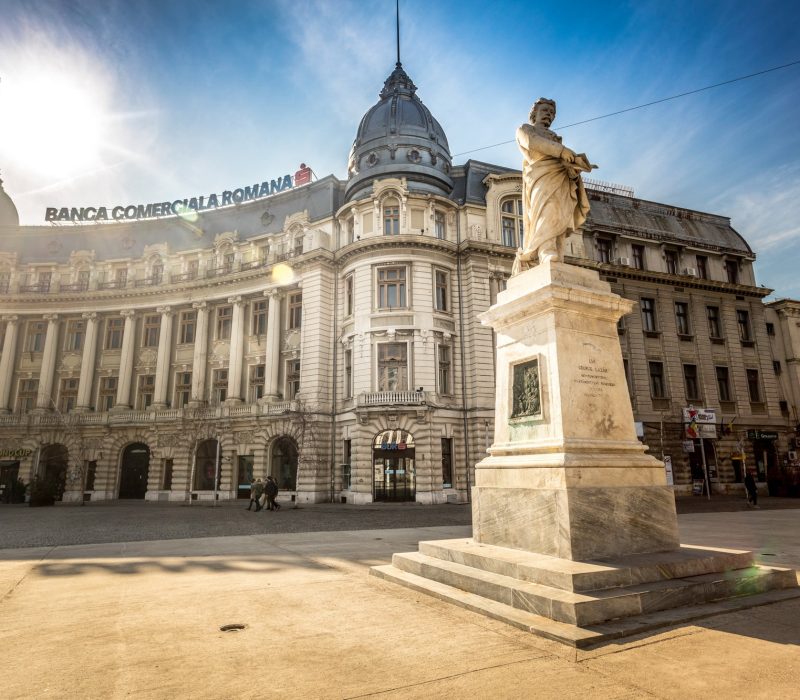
{"x": 118, "y": 618}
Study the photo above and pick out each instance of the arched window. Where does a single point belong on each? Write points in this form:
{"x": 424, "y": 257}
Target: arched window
{"x": 205, "y": 466}
{"x": 391, "y": 217}
{"x": 284, "y": 463}
{"x": 511, "y": 221}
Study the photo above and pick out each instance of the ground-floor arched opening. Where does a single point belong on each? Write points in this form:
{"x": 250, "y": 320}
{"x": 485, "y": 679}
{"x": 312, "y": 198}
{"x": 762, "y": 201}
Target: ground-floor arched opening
{"x": 394, "y": 473}
{"x": 53, "y": 465}
{"x": 133, "y": 471}
{"x": 208, "y": 465}
{"x": 284, "y": 463}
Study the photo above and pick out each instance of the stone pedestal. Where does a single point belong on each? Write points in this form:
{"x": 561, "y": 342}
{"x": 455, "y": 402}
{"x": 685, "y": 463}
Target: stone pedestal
{"x": 567, "y": 476}
{"x": 575, "y": 534}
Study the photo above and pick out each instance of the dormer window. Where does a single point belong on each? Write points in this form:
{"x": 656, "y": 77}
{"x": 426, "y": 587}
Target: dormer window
{"x": 511, "y": 221}
{"x": 671, "y": 260}
{"x": 732, "y": 271}
{"x": 391, "y": 217}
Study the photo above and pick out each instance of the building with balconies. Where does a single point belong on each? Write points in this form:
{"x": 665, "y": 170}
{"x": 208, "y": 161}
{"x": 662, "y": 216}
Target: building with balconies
{"x": 328, "y": 333}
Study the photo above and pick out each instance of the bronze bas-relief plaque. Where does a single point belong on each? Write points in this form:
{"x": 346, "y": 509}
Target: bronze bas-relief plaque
{"x": 526, "y": 390}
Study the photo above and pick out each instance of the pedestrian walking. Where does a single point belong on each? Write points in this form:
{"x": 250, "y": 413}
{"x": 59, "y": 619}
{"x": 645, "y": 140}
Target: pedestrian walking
{"x": 252, "y": 494}
{"x": 256, "y": 493}
{"x": 272, "y": 493}
{"x": 752, "y": 491}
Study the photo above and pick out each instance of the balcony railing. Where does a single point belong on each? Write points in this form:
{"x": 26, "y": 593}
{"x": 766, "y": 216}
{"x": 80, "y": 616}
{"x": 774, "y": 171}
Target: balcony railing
{"x": 37, "y": 288}
{"x": 74, "y": 287}
{"x": 392, "y": 398}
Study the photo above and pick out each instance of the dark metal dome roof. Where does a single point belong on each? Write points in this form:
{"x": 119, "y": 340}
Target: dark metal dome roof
{"x": 399, "y": 137}
{"x": 8, "y": 212}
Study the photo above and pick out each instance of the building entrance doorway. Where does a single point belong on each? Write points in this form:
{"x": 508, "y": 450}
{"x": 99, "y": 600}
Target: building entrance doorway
{"x": 53, "y": 464}
{"x": 394, "y": 474}
{"x": 284, "y": 463}
{"x": 133, "y": 471}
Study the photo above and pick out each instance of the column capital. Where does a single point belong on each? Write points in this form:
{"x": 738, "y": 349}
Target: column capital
{"x": 273, "y": 293}
{"x": 52, "y": 318}
{"x": 127, "y": 313}
{"x": 235, "y": 300}
{"x": 200, "y": 305}
{"x": 89, "y": 315}
{"x": 165, "y": 310}
{"x": 11, "y": 318}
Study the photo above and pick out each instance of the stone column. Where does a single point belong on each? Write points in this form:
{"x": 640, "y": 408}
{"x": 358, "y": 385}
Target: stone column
{"x": 163, "y": 361}
{"x": 7, "y": 361}
{"x": 126, "y": 363}
{"x": 273, "y": 356}
{"x": 44, "y": 399}
{"x": 200, "y": 358}
{"x": 236, "y": 347}
{"x": 84, "y": 401}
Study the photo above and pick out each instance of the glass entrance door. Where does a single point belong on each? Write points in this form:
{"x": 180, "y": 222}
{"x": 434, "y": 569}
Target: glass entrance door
{"x": 394, "y": 477}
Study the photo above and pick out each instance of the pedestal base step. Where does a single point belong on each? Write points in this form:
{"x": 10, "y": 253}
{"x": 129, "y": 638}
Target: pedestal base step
{"x": 476, "y": 577}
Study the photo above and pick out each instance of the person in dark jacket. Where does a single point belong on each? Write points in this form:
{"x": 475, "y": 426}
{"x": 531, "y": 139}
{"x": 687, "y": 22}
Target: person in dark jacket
{"x": 752, "y": 491}
{"x": 272, "y": 494}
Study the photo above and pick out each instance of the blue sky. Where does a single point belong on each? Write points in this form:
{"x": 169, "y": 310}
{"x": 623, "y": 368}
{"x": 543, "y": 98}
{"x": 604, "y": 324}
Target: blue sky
{"x": 146, "y": 101}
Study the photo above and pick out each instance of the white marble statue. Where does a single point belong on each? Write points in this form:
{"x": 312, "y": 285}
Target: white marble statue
{"x": 554, "y": 199}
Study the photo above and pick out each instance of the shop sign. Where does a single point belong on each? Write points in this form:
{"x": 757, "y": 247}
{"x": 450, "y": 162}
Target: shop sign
{"x": 688, "y": 445}
{"x": 762, "y": 435}
{"x": 668, "y": 470}
{"x": 19, "y": 453}
{"x": 700, "y": 422}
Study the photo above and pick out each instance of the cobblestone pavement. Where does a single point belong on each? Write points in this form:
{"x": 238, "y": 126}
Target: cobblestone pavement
{"x": 131, "y": 521}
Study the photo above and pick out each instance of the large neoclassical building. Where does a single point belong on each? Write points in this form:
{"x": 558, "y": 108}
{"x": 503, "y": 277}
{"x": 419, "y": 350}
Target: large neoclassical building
{"x": 327, "y": 332}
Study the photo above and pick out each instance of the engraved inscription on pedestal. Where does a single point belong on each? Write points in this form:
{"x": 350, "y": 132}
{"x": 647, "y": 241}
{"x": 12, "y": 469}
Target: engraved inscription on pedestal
{"x": 526, "y": 393}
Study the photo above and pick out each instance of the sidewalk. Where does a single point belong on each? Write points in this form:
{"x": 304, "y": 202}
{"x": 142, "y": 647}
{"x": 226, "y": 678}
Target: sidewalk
{"x": 142, "y": 619}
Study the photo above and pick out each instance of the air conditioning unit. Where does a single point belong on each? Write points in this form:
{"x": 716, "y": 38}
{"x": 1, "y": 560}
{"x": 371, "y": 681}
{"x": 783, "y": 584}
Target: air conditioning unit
{"x": 623, "y": 261}
{"x": 690, "y": 271}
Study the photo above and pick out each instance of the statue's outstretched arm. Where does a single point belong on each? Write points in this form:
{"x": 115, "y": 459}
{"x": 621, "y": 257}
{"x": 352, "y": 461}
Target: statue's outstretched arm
{"x": 530, "y": 142}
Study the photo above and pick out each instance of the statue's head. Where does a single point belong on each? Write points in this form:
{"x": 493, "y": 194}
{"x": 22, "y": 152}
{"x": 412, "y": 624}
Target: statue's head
{"x": 543, "y": 111}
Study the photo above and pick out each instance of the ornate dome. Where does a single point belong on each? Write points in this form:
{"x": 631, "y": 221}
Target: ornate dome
{"x": 8, "y": 212}
{"x": 398, "y": 137}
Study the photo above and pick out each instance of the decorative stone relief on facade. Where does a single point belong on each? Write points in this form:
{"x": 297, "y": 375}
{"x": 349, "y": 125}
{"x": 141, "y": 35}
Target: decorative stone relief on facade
{"x": 526, "y": 390}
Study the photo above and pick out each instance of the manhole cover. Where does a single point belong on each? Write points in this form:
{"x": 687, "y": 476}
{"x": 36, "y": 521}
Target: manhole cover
{"x": 235, "y": 627}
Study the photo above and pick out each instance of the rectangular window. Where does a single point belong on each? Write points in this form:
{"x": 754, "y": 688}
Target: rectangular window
{"x": 166, "y": 484}
{"x": 298, "y": 245}
{"x": 347, "y": 457}
{"x": 690, "y": 382}
{"x": 257, "y": 376}
{"x": 157, "y": 273}
{"x": 714, "y": 326}
{"x": 26, "y": 397}
{"x": 445, "y": 383}
{"x": 743, "y": 321}
{"x": 295, "y": 310}
{"x": 219, "y": 385}
{"x": 91, "y": 474}
{"x": 114, "y": 329}
{"x": 753, "y": 387}
{"x": 671, "y": 260}
{"x": 192, "y": 269}
{"x": 292, "y": 379}
{"x": 68, "y": 395}
{"x": 442, "y": 283}
{"x": 348, "y": 374}
{"x": 776, "y": 367}
{"x": 348, "y": 295}
{"x": 509, "y": 232}
{"x": 76, "y": 332}
{"x": 438, "y": 225}
{"x": 447, "y": 463}
{"x": 637, "y": 253}
{"x": 723, "y": 384}
{"x": 151, "y": 331}
{"x": 732, "y": 271}
{"x": 682, "y": 318}
{"x": 649, "y": 315}
{"x": 183, "y": 389}
{"x": 145, "y": 391}
{"x": 391, "y": 288}
{"x": 44, "y": 279}
{"x": 186, "y": 328}
{"x": 392, "y": 367}
{"x": 34, "y": 340}
{"x": 351, "y": 230}
{"x": 224, "y": 322}
{"x": 227, "y": 262}
{"x": 603, "y": 250}
{"x": 770, "y": 329}
{"x": 120, "y": 277}
{"x": 258, "y": 322}
{"x": 107, "y": 394}
{"x": 391, "y": 221}
{"x": 702, "y": 267}
{"x": 658, "y": 389}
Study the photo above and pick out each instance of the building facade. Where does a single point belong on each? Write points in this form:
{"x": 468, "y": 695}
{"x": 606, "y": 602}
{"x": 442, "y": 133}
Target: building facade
{"x": 328, "y": 333}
